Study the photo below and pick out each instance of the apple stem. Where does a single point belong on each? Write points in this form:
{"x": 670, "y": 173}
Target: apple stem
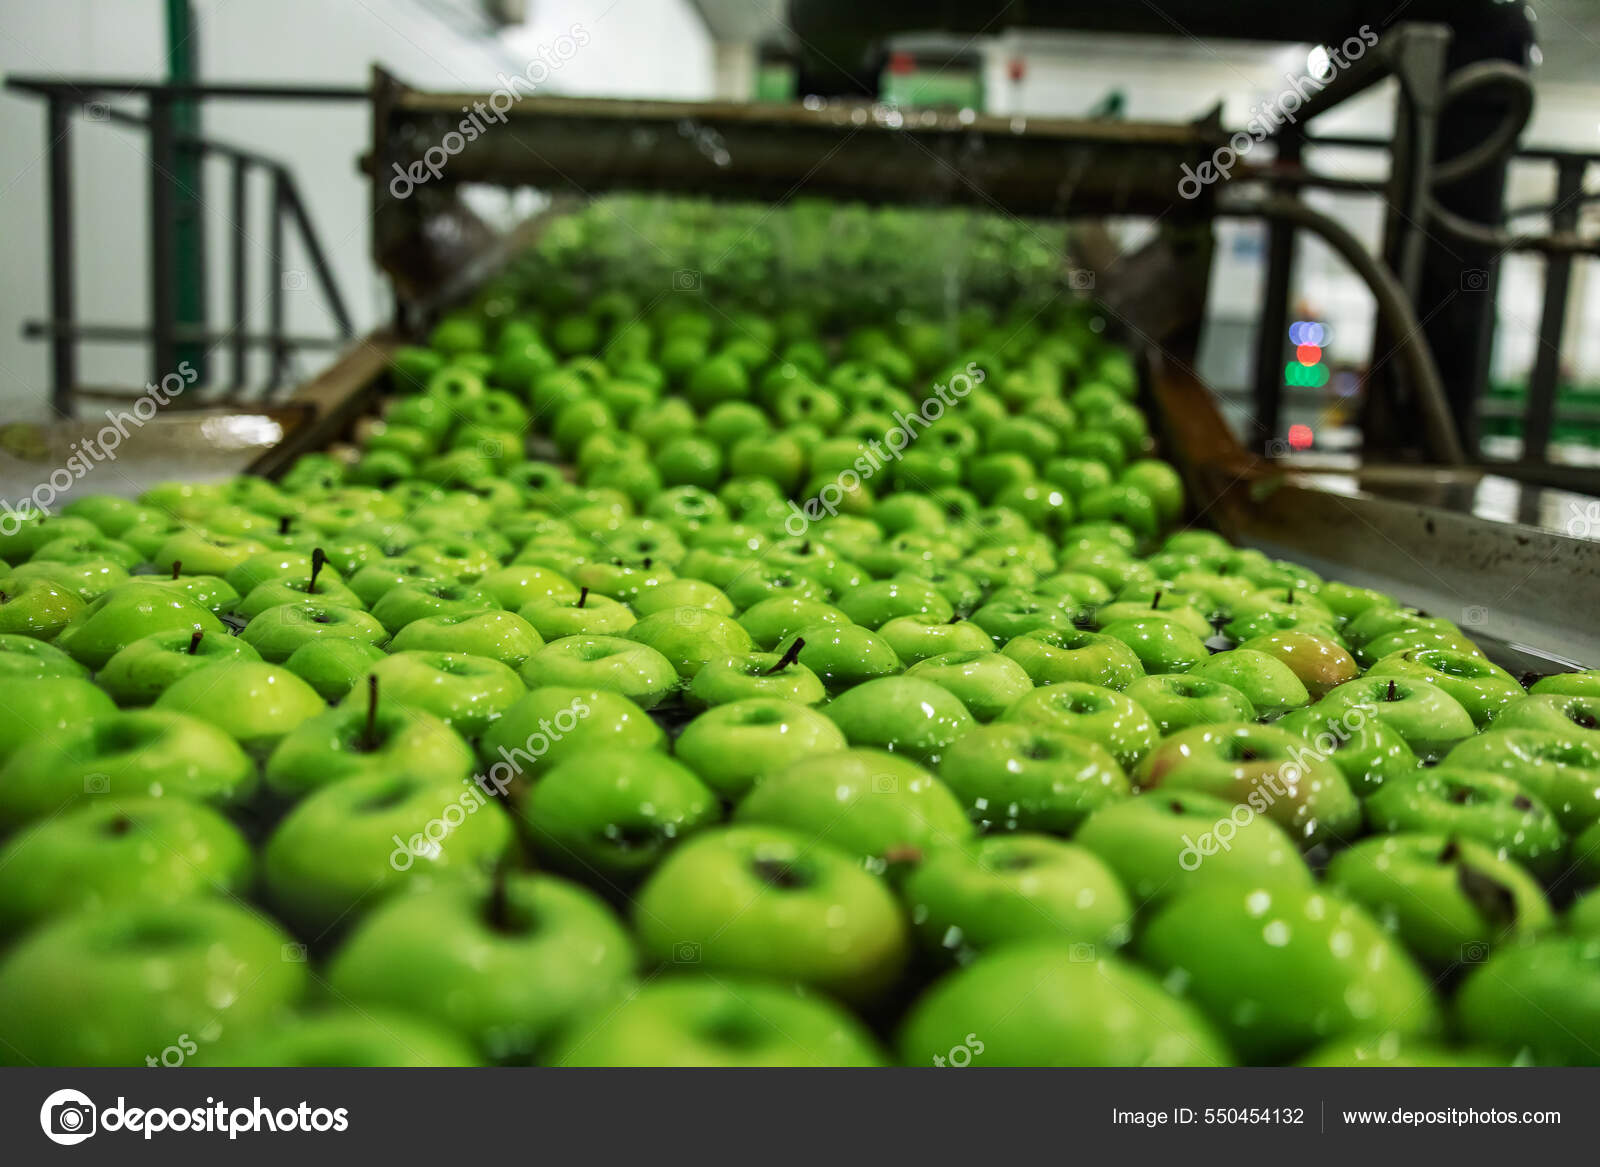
{"x": 283, "y": 524}
{"x": 583, "y": 597}
{"x": 498, "y": 912}
{"x": 319, "y": 557}
{"x": 1156, "y": 602}
{"x": 1389, "y": 695}
{"x": 789, "y": 657}
{"x": 647, "y": 562}
{"x": 4, "y": 599}
{"x": 177, "y": 568}
{"x": 805, "y": 548}
{"x": 194, "y": 641}
{"x": 1289, "y": 598}
{"x": 956, "y": 619}
{"x": 369, "y": 735}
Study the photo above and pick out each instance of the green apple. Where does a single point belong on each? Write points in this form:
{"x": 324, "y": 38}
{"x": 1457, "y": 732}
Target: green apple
{"x": 142, "y": 671}
{"x": 756, "y": 674}
{"x": 1395, "y": 1051}
{"x": 24, "y": 656}
{"x": 1319, "y": 661}
{"x": 365, "y": 739}
{"x": 867, "y": 803}
{"x": 722, "y": 1022}
{"x": 375, "y": 580}
{"x": 356, "y": 1036}
{"x": 143, "y": 753}
{"x": 1425, "y": 715}
{"x": 1561, "y": 770}
{"x": 116, "y": 852}
{"x": 585, "y": 615}
{"x": 501, "y": 965}
{"x": 211, "y": 592}
{"x": 760, "y": 900}
{"x": 985, "y": 681}
{"x": 1565, "y": 713}
{"x": 733, "y": 746}
{"x": 774, "y": 620}
{"x": 332, "y": 667}
{"x": 253, "y": 702}
{"x": 1582, "y": 684}
{"x": 278, "y": 631}
{"x": 1448, "y": 900}
{"x": 1011, "y": 613}
{"x": 1583, "y": 917}
{"x": 1162, "y": 645}
{"x": 1269, "y": 770}
{"x": 407, "y": 602}
{"x": 1030, "y": 777}
{"x": 1051, "y": 656}
{"x": 1367, "y": 752}
{"x": 1163, "y": 843}
{"x": 902, "y": 715}
{"x": 1540, "y": 1001}
{"x": 1054, "y": 1003}
{"x": 635, "y": 670}
{"x": 1281, "y": 970}
{"x": 548, "y": 725}
{"x": 518, "y": 585}
{"x": 87, "y": 579}
{"x": 1107, "y": 718}
{"x": 1178, "y": 701}
{"x": 115, "y": 988}
{"x": 691, "y": 637}
{"x": 1483, "y": 689}
{"x": 683, "y": 593}
{"x": 1008, "y": 889}
{"x": 34, "y": 709}
{"x": 130, "y": 612}
{"x": 1487, "y": 808}
{"x": 1267, "y": 682}
{"x": 843, "y": 656}
{"x": 465, "y": 692}
{"x": 346, "y": 847}
{"x": 294, "y": 591}
{"x": 614, "y": 814}
{"x": 1168, "y": 603}
{"x": 916, "y": 638}
{"x": 205, "y": 554}
{"x": 874, "y": 604}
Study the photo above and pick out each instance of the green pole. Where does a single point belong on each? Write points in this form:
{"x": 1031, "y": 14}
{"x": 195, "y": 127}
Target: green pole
{"x": 188, "y": 196}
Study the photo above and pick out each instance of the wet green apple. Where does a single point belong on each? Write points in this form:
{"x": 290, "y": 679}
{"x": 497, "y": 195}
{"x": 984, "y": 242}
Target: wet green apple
{"x": 115, "y": 852}
{"x": 843, "y": 655}
{"x": 1162, "y": 645}
{"x": 375, "y": 580}
{"x": 765, "y": 901}
{"x": 1450, "y": 901}
{"x": 141, "y": 753}
{"x": 1269, "y": 684}
{"x": 253, "y": 702}
{"x": 1483, "y": 689}
{"x": 205, "y": 554}
{"x": 130, "y": 612}
{"x": 1030, "y": 777}
{"x": 1367, "y": 752}
{"x": 1582, "y": 684}
{"x": 613, "y": 815}
{"x": 690, "y": 637}
{"x": 501, "y": 964}
{"x": 635, "y": 670}
{"x": 1583, "y": 917}
{"x": 723, "y": 1022}
{"x": 346, "y": 847}
{"x": 1165, "y": 842}
{"x": 1425, "y": 715}
{"x": 1162, "y": 603}
{"x": 1563, "y": 713}
{"x": 140, "y": 672}
{"x": 1397, "y": 1051}
{"x": 333, "y": 667}
{"x": 1540, "y": 1001}
{"x": 1281, "y": 970}
{"x": 1051, "y": 656}
{"x": 1346, "y": 601}
{"x": 777, "y": 618}
{"x": 1109, "y": 719}
{"x": 465, "y": 692}
{"x": 548, "y": 725}
{"x": 1006, "y": 889}
{"x": 33, "y": 709}
{"x": 985, "y": 681}
{"x": 916, "y": 638}
{"x": 1180, "y": 700}
{"x": 113, "y": 988}
{"x": 874, "y": 604}
{"x": 295, "y": 591}
{"x": 553, "y": 617}
{"x": 866, "y": 803}
{"x": 756, "y": 674}
{"x": 1055, "y": 1003}
{"x": 1560, "y": 769}
{"x": 734, "y": 745}
{"x": 87, "y": 579}
{"x": 276, "y": 632}
{"x": 500, "y": 636}
{"x": 1319, "y": 661}
{"x": 1485, "y": 807}
{"x": 518, "y": 585}
{"x": 357, "y": 1036}
{"x": 1270, "y": 770}
{"x": 25, "y": 657}
{"x": 1014, "y": 612}
{"x": 407, "y": 602}
{"x": 365, "y": 738}
{"x": 902, "y": 715}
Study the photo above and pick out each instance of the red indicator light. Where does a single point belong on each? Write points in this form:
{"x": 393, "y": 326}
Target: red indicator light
{"x": 1308, "y": 354}
{"x": 1300, "y": 437}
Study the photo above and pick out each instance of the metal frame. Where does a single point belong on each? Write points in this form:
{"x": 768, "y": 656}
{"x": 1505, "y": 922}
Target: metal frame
{"x": 63, "y": 330}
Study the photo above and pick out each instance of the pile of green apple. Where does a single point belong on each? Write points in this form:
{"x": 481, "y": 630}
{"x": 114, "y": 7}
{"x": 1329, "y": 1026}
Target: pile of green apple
{"x": 544, "y": 724}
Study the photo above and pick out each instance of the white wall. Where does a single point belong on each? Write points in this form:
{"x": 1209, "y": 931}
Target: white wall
{"x": 644, "y": 48}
